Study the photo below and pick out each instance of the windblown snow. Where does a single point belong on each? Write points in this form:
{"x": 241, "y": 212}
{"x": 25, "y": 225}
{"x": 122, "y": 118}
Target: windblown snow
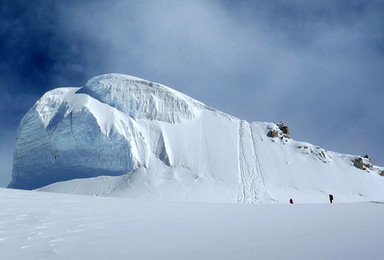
{"x": 123, "y": 136}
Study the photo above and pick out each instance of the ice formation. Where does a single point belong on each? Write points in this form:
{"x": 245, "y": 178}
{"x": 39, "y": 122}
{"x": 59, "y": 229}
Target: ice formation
{"x": 146, "y": 140}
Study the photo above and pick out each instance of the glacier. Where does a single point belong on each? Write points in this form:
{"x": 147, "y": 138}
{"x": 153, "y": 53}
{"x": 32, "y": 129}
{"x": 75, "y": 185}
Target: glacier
{"x": 120, "y": 135}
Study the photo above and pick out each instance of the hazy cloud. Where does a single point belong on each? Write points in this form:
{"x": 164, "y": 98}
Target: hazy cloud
{"x": 316, "y": 65}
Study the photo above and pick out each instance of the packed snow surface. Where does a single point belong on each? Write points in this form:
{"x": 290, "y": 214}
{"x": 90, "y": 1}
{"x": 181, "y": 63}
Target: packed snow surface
{"x": 123, "y": 136}
{"x": 39, "y": 225}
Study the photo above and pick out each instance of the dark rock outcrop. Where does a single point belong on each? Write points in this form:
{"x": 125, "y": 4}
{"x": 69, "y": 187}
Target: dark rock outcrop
{"x": 273, "y": 133}
{"x": 282, "y": 131}
{"x": 363, "y": 163}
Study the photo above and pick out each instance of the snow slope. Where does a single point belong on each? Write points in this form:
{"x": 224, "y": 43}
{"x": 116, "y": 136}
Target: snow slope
{"x": 39, "y": 225}
{"x": 135, "y": 138}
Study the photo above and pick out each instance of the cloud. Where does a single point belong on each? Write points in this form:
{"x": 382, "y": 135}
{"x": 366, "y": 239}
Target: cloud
{"x": 318, "y": 66}
{"x": 7, "y": 145}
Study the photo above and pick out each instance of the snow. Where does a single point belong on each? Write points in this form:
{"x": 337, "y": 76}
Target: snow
{"x": 41, "y": 225}
{"x": 142, "y": 99}
{"x": 128, "y": 137}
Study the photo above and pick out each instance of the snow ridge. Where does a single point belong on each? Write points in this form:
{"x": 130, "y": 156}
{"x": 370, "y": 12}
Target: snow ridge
{"x": 142, "y": 99}
{"x": 131, "y": 137}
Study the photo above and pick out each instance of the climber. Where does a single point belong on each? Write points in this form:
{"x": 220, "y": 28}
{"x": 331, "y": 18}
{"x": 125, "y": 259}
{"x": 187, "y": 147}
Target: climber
{"x": 291, "y": 200}
{"x": 330, "y": 198}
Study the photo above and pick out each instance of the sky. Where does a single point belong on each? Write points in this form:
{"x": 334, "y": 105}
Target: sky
{"x": 316, "y": 65}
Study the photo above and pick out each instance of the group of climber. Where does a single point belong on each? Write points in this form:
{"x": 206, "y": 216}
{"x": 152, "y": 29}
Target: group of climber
{"x": 330, "y": 199}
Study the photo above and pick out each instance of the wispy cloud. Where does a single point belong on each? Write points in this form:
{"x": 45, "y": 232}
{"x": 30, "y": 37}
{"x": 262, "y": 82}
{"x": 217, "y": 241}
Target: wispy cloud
{"x": 319, "y": 66}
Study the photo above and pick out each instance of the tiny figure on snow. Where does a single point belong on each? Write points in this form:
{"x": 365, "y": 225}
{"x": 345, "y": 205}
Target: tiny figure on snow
{"x": 291, "y": 200}
{"x": 330, "y": 198}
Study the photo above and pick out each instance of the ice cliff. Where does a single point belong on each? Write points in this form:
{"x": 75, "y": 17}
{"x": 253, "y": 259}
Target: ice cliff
{"x": 145, "y": 140}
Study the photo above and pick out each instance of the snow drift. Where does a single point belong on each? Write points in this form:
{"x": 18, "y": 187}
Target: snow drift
{"x": 146, "y": 140}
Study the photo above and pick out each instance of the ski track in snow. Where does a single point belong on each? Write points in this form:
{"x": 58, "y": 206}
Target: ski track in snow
{"x": 242, "y": 196}
{"x": 257, "y": 156}
{"x": 251, "y": 177}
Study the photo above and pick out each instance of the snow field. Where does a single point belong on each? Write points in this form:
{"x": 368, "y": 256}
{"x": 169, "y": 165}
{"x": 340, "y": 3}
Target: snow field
{"x": 42, "y": 225}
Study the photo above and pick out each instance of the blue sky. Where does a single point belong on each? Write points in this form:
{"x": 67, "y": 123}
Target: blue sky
{"x": 316, "y": 65}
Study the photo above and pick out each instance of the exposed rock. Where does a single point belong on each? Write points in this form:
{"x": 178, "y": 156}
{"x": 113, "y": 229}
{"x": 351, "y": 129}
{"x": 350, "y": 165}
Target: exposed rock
{"x": 280, "y": 131}
{"x": 317, "y": 152}
{"x": 358, "y": 163}
{"x": 273, "y": 133}
{"x": 362, "y": 163}
{"x": 284, "y": 129}
{"x": 382, "y": 173}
